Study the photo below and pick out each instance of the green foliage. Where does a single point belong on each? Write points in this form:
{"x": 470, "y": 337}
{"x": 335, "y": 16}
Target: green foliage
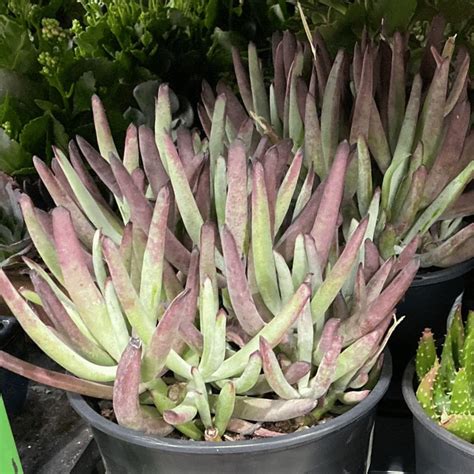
{"x": 55, "y": 55}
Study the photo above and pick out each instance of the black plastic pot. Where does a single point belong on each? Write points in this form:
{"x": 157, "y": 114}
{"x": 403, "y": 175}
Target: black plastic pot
{"x": 13, "y": 387}
{"x": 426, "y": 304}
{"x": 437, "y": 451}
{"x": 340, "y": 445}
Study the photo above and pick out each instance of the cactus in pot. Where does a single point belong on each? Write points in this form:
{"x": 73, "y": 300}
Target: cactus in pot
{"x": 409, "y": 127}
{"x": 221, "y": 300}
{"x": 446, "y": 387}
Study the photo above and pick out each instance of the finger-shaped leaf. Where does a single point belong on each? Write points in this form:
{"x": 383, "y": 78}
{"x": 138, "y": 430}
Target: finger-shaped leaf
{"x": 272, "y": 332}
{"x": 269, "y": 410}
{"x": 371, "y": 259}
{"x": 164, "y": 337}
{"x": 47, "y": 339}
{"x": 449, "y": 195}
{"x": 201, "y": 400}
{"x": 325, "y": 224}
{"x": 458, "y": 84}
{"x": 162, "y": 121}
{"x": 331, "y": 109}
{"x": 432, "y": 114}
{"x": 131, "y": 155}
{"x": 126, "y": 293}
{"x": 102, "y": 129}
{"x": 83, "y": 174}
{"x": 109, "y": 225}
{"x": 65, "y": 326}
{"x": 184, "y": 197}
{"x": 61, "y": 198}
{"x": 377, "y": 141}
{"x": 207, "y": 314}
{"x": 185, "y": 412}
{"x": 249, "y": 377}
{"x": 403, "y": 149}
{"x": 80, "y": 285}
{"x": 55, "y": 379}
{"x": 333, "y": 283}
{"x": 363, "y": 102}
{"x": 364, "y": 177}
{"x": 216, "y": 140}
{"x": 273, "y": 373}
{"x": 304, "y": 344}
{"x": 396, "y": 92}
{"x": 154, "y": 169}
{"x": 152, "y": 267}
{"x": 305, "y": 194}
{"x": 224, "y": 407}
{"x": 287, "y": 189}
{"x": 236, "y": 207}
{"x": 242, "y": 80}
{"x": 99, "y": 165}
{"x": 220, "y": 190}
{"x": 116, "y": 315}
{"x": 40, "y": 236}
{"x": 262, "y": 242}
{"x": 445, "y": 164}
{"x": 313, "y": 153}
{"x": 239, "y": 291}
{"x": 328, "y": 335}
{"x": 126, "y": 403}
{"x": 320, "y": 383}
{"x": 285, "y": 281}
{"x": 259, "y": 93}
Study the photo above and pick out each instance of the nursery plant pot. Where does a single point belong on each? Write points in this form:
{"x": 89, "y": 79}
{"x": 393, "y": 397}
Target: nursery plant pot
{"x": 338, "y": 445}
{"x": 13, "y": 387}
{"x": 426, "y": 304}
{"x": 437, "y": 451}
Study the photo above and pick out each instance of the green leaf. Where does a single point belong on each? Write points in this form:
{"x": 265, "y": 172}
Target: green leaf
{"x": 34, "y": 135}
{"x": 395, "y": 15}
{"x": 83, "y": 91}
{"x": 13, "y": 158}
{"x": 17, "y": 51}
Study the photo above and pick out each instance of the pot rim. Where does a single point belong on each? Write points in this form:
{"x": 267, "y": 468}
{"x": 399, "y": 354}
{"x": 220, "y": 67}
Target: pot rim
{"x": 204, "y": 447}
{"x": 425, "y": 420}
{"x": 441, "y": 275}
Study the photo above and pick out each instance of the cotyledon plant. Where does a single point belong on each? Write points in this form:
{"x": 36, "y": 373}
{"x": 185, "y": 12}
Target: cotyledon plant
{"x": 253, "y": 319}
{"x": 413, "y": 145}
{"x": 446, "y": 386}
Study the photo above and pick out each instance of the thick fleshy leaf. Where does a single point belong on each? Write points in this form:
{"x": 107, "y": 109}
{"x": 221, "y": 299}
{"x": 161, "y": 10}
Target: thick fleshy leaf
{"x": 102, "y": 129}
{"x": 239, "y": 291}
{"x": 152, "y": 267}
{"x": 325, "y": 224}
{"x": 79, "y": 282}
{"x": 126, "y": 403}
{"x": 48, "y": 341}
{"x": 262, "y": 242}
{"x": 273, "y": 332}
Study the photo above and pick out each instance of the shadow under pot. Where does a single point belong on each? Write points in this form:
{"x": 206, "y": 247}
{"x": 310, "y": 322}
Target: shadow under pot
{"x": 437, "y": 451}
{"x": 339, "y": 445}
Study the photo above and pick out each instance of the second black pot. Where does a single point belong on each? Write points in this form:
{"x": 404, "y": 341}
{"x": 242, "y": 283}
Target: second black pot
{"x": 437, "y": 451}
{"x": 340, "y": 445}
{"x": 426, "y": 304}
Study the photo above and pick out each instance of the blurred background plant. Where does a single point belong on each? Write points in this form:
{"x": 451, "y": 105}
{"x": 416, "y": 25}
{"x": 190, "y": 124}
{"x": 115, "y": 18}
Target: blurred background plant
{"x": 55, "y": 54}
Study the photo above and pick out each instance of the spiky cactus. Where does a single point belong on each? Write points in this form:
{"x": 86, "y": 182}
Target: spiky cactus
{"x": 446, "y": 387}
{"x": 221, "y": 298}
{"x": 411, "y": 137}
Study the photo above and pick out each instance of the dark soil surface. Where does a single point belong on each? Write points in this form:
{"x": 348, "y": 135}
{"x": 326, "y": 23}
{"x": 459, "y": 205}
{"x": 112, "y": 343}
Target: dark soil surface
{"x": 46, "y": 423}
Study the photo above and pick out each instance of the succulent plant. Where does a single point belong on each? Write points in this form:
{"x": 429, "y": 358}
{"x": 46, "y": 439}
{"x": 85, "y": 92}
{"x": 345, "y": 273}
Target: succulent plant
{"x": 411, "y": 136}
{"x": 14, "y": 239}
{"x": 446, "y": 386}
{"x": 221, "y": 300}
